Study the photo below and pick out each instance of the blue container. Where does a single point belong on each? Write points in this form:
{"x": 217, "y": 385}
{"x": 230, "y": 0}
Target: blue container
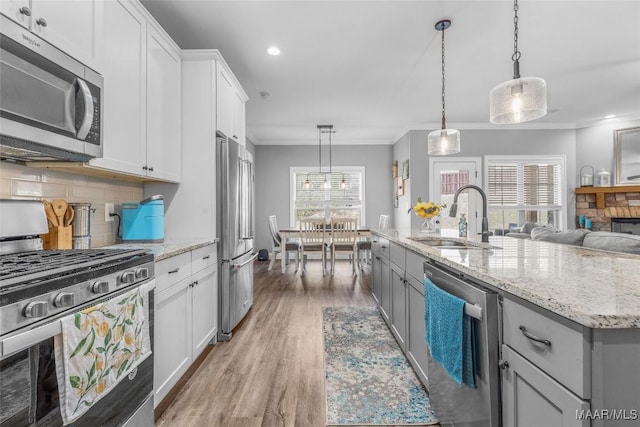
{"x": 143, "y": 221}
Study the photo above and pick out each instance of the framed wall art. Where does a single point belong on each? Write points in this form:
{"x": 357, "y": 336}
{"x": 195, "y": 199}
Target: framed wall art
{"x": 405, "y": 169}
{"x": 626, "y": 147}
{"x": 400, "y": 186}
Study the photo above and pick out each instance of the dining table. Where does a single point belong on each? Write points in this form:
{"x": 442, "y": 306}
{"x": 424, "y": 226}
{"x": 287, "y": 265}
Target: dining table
{"x": 294, "y": 233}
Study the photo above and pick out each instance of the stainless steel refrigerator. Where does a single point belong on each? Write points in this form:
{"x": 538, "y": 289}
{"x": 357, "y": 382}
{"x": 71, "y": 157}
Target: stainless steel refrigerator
{"x": 235, "y": 180}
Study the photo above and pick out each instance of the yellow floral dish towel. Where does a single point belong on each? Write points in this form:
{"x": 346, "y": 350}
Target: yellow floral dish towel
{"x": 98, "y": 347}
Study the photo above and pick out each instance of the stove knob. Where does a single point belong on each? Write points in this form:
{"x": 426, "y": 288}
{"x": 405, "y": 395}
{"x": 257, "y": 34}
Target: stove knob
{"x": 64, "y": 299}
{"x": 100, "y": 287}
{"x": 142, "y": 273}
{"x": 36, "y": 309}
{"x": 128, "y": 277}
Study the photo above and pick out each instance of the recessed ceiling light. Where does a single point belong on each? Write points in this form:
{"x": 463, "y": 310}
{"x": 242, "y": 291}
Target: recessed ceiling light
{"x": 273, "y": 51}
{"x": 610, "y": 116}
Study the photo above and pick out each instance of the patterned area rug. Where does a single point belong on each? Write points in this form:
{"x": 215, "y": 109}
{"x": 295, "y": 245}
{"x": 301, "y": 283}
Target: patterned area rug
{"x": 368, "y": 381}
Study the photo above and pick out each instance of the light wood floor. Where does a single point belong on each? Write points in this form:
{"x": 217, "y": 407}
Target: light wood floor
{"x": 271, "y": 373}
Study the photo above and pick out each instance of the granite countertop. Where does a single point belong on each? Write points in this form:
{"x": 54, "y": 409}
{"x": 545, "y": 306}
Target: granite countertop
{"x": 168, "y": 248}
{"x": 598, "y": 289}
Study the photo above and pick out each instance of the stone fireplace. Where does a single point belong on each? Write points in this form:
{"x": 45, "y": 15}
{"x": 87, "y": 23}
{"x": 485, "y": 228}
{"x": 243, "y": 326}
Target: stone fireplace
{"x": 601, "y": 204}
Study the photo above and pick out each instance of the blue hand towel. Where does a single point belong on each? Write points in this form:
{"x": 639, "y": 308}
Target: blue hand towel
{"x": 449, "y": 333}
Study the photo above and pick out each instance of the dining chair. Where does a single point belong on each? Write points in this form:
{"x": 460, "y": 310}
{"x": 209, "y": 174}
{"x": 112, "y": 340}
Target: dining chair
{"x": 313, "y": 238}
{"x": 365, "y": 245}
{"x": 343, "y": 239}
{"x": 276, "y": 241}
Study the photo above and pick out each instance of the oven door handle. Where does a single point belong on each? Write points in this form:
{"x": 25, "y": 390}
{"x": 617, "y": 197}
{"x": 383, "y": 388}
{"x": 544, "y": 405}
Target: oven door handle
{"x": 29, "y": 338}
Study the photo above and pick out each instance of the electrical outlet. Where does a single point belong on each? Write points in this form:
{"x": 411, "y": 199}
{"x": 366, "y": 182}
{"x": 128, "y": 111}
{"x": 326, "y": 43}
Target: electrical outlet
{"x": 108, "y": 209}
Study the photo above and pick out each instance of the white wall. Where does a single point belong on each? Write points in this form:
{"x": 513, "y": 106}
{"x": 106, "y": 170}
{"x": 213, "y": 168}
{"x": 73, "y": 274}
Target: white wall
{"x": 272, "y": 163}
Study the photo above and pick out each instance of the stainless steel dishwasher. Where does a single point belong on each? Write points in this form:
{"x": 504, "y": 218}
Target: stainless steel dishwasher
{"x": 460, "y": 405}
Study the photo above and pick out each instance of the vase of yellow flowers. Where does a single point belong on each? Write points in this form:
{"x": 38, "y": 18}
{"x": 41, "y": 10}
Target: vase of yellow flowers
{"x": 429, "y": 211}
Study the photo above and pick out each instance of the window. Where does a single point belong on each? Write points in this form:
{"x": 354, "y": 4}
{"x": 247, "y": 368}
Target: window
{"x": 525, "y": 189}
{"x": 344, "y": 195}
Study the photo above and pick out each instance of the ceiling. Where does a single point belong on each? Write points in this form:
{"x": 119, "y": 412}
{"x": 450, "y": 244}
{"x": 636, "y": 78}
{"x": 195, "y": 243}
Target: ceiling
{"x": 372, "y": 68}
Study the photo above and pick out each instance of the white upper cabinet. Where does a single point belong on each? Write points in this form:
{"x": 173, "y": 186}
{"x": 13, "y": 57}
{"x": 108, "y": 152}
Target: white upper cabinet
{"x": 224, "y": 104}
{"x": 141, "y": 97}
{"x": 73, "y": 26}
{"x": 124, "y": 130}
{"x": 238, "y": 118}
{"x": 230, "y": 103}
{"x": 17, "y": 10}
{"x": 163, "y": 109}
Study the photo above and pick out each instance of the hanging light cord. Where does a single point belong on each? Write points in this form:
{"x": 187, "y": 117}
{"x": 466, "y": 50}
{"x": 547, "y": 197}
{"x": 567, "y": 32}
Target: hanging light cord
{"x": 319, "y": 150}
{"x": 516, "y": 53}
{"x": 444, "y": 126}
{"x": 330, "y": 169}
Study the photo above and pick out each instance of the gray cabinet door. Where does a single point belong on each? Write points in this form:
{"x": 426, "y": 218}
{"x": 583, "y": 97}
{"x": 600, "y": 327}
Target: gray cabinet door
{"x": 417, "y": 351}
{"x": 376, "y": 278}
{"x": 398, "y": 305}
{"x": 531, "y": 398}
{"x": 385, "y": 288}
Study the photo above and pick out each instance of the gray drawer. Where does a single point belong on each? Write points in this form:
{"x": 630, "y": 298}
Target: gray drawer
{"x": 396, "y": 254}
{"x": 567, "y": 359}
{"x": 380, "y": 245}
{"x": 415, "y": 266}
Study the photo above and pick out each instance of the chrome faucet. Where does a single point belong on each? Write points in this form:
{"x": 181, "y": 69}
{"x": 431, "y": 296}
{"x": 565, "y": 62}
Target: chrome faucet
{"x": 485, "y": 221}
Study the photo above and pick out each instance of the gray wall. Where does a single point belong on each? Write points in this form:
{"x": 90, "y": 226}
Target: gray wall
{"x": 594, "y": 146}
{"x": 272, "y": 163}
{"x": 478, "y": 143}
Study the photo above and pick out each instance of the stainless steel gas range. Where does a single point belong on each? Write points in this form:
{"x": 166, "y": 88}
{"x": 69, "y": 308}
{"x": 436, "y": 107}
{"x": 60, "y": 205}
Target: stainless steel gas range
{"x": 38, "y": 288}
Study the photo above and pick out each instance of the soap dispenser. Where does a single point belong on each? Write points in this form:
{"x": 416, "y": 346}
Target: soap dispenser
{"x": 462, "y": 226}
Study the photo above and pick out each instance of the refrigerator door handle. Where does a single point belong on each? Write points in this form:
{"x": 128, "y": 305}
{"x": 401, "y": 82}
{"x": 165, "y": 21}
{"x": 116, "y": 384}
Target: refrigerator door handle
{"x": 239, "y": 266}
{"x": 246, "y": 233}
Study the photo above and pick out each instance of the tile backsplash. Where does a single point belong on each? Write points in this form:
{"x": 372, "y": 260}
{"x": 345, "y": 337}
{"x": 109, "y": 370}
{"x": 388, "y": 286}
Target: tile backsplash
{"x": 21, "y": 182}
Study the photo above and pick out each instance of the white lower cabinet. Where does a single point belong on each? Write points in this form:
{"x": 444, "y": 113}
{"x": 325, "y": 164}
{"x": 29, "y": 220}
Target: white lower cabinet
{"x": 172, "y": 344}
{"x": 186, "y": 313}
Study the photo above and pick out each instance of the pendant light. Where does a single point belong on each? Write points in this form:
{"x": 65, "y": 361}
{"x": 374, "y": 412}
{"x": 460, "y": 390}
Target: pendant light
{"x": 307, "y": 183}
{"x": 443, "y": 141}
{"x": 521, "y": 99}
{"x": 325, "y": 129}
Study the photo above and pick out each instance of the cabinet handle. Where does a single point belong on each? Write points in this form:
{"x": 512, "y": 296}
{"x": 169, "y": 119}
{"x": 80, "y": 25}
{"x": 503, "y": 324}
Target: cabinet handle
{"x": 378, "y": 258}
{"x": 206, "y": 257}
{"x": 503, "y": 364}
{"x": 383, "y": 247}
{"x": 174, "y": 271}
{"x": 150, "y": 168}
{"x": 42, "y": 22}
{"x": 144, "y": 168}
{"x": 25, "y": 11}
{"x": 533, "y": 337}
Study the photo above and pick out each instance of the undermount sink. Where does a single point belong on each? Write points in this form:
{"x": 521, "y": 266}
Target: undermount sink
{"x": 445, "y": 243}
{"x": 439, "y": 242}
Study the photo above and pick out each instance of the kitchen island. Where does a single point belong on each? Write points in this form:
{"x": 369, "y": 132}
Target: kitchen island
{"x": 582, "y": 305}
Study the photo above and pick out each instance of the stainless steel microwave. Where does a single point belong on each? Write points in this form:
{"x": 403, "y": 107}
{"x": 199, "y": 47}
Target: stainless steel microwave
{"x": 50, "y": 104}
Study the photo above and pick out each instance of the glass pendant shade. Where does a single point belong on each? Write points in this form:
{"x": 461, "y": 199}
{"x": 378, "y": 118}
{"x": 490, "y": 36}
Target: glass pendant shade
{"x": 518, "y": 100}
{"x": 443, "y": 141}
